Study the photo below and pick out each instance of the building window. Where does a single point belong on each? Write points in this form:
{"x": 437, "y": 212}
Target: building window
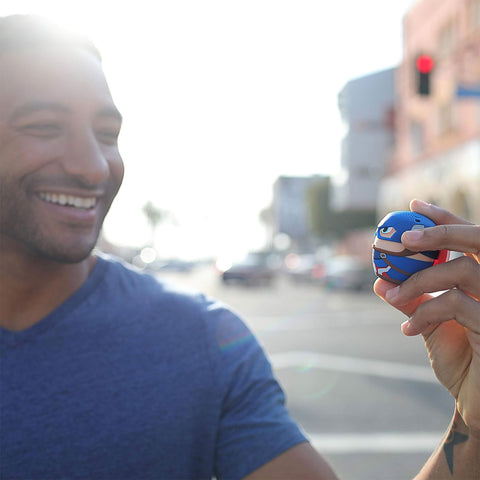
{"x": 447, "y": 39}
{"x": 474, "y": 14}
{"x": 416, "y": 137}
{"x": 446, "y": 120}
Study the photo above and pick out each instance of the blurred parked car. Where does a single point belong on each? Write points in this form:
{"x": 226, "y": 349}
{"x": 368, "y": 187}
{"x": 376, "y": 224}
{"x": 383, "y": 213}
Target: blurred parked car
{"x": 348, "y": 273}
{"x": 304, "y": 268}
{"x": 257, "y": 268}
{"x": 172, "y": 265}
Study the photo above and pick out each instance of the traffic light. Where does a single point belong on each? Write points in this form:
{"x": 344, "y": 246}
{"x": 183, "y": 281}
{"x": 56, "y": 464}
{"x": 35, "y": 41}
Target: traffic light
{"x": 423, "y": 67}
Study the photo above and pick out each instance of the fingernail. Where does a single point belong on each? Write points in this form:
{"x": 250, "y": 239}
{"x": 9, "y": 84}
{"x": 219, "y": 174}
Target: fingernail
{"x": 408, "y": 328}
{"x": 391, "y": 294}
{"x": 414, "y": 235}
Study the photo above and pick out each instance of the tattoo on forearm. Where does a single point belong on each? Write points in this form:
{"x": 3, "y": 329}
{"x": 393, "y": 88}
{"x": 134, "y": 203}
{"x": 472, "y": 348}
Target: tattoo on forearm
{"x": 454, "y": 438}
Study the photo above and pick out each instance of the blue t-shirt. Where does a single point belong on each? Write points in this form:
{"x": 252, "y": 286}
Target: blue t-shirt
{"x": 132, "y": 379}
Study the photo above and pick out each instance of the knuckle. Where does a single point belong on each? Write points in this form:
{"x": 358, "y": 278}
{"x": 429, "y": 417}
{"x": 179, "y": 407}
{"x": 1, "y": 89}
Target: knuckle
{"x": 417, "y": 281}
{"x": 437, "y": 235}
{"x": 443, "y": 231}
{"x": 446, "y": 229}
{"x": 468, "y": 267}
{"x": 447, "y": 232}
{"x": 454, "y": 296}
{"x": 476, "y": 236}
{"x": 422, "y": 310}
{"x": 455, "y": 302}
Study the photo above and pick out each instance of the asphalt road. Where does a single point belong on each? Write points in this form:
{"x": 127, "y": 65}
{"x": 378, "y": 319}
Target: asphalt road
{"x": 363, "y": 393}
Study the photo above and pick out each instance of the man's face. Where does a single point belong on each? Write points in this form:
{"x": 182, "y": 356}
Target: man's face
{"x": 60, "y": 167}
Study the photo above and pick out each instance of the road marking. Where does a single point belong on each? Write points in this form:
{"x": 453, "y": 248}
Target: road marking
{"x": 313, "y": 321}
{"x": 390, "y": 442}
{"x": 401, "y": 371}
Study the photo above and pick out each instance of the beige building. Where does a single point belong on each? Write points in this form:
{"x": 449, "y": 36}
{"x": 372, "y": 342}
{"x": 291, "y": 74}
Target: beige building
{"x": 437, "y": 149}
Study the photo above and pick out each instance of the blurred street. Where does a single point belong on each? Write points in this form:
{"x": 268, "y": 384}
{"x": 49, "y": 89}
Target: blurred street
{"x": 362, "y": 391}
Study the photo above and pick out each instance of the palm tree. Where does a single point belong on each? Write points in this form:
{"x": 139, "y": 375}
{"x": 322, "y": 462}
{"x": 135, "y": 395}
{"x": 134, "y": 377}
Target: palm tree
{"x": 155, "y": 216}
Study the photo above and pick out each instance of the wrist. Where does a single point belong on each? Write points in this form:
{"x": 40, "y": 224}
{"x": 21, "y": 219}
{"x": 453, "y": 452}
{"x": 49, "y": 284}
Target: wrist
{"x": 473, "y": 431}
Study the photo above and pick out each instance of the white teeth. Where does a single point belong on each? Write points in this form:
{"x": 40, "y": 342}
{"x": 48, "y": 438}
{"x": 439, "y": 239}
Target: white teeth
{"x": 70, "y": 200}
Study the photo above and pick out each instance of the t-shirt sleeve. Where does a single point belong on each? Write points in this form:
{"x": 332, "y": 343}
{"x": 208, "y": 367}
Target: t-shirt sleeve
{"x": 254, "y": 426}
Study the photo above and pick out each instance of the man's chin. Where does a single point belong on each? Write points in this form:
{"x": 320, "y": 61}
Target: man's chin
{"x": 70, "y": 258}
{"x": 67, "y": 254}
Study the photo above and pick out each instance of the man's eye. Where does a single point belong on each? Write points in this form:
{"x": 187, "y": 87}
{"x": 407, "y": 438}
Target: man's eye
{"x": 42, "y": 129}
{"x": 386, "y": 230}
{"x": 108, "y": 136}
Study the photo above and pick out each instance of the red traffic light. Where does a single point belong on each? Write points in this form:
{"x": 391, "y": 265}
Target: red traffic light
{"x": 424, "y": 63}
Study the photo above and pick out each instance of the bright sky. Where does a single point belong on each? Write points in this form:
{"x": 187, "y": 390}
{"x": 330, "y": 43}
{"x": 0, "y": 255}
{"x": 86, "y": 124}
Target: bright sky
{"x": 220, "y": 97}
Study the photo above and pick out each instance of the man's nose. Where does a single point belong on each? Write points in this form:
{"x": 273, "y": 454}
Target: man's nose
{"x": 86, "y": 159}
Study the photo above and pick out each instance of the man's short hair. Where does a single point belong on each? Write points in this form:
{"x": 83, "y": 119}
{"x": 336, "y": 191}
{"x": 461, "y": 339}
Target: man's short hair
{"x": 30, "y": 32}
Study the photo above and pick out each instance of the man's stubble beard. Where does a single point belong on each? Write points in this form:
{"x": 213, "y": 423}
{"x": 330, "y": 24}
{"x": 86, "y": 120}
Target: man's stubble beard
{"x": 19, "y": 225}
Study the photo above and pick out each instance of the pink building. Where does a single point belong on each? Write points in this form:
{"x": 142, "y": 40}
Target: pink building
{"x": 437, "y": 152}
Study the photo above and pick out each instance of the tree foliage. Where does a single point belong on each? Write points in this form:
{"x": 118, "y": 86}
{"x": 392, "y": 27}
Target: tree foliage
{"x": 330, "y": 224}
{"x": 155, "y": 216}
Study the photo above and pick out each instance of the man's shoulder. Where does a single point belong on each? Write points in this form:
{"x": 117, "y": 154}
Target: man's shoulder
{"x": 120, "y": 274}
{"x": 144, "y": 305}
{"x": 134, "y": 288}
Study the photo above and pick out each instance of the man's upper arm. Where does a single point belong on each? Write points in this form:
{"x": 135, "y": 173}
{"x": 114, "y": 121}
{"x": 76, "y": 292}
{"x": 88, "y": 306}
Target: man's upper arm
{"x": 301, "y": 462}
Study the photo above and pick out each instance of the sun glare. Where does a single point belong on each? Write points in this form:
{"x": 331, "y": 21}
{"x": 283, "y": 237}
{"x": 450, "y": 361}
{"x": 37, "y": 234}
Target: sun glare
{"x": 212, "y": 115}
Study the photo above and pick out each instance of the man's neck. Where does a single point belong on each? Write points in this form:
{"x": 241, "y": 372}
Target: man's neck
{"x": 32, "y": 288}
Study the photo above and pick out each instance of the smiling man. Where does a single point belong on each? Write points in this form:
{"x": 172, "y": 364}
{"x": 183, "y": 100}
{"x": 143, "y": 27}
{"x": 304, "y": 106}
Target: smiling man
{"x": 60, "y": 162}
{"x": 107, "y": 373}
{"x": 60, "y": 165}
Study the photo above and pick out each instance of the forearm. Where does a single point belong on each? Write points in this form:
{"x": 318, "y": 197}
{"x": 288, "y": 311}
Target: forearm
{"x": 457, "y": 457}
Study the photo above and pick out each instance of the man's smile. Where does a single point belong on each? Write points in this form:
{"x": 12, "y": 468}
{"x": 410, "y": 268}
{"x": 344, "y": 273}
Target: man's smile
{"x": 68, "y": 206}
{"x": 85, "y": 203}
